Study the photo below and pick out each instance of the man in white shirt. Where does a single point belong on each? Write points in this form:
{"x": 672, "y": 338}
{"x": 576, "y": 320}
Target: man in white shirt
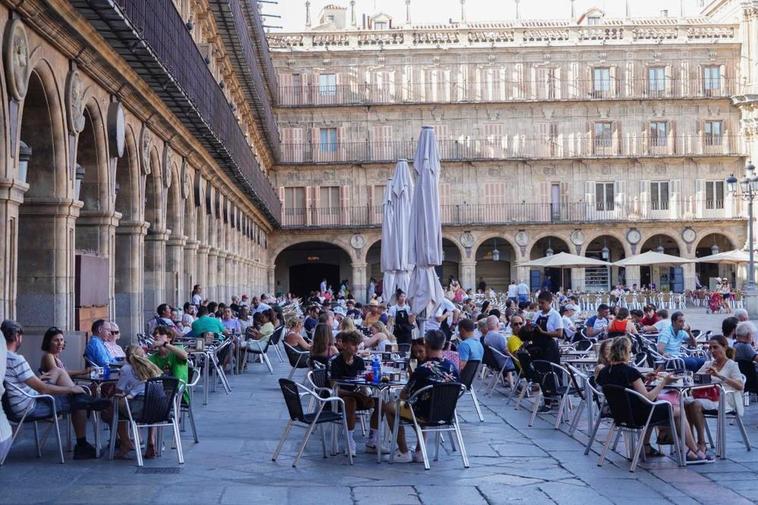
{"x": 513, "y": 291}
{"x": 497, "y": 340}
{"x": 444, "y": 311}
{"x": 523, "y": 292}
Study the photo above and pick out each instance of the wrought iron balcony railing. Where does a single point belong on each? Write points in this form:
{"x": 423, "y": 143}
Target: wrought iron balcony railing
{"x": 525, "y": 213}
{"x": 546, "y": 89}
{"x": 153, "y": 38}
{"x": 516, "y": 147}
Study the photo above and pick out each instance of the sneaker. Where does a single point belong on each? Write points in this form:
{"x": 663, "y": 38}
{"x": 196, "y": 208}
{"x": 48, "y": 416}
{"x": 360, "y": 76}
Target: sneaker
{"x": 351, "y": 446}
{"x": 418, "y": 457}
{"x": 403, "y": 457}
{"x": 371, "y": 446}
{"x": 84, "y": 451}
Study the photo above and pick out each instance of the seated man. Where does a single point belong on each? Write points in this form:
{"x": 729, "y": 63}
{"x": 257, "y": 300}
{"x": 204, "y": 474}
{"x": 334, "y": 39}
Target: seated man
{"x": 96, "y": 351}
{"x": 672, "y": 337}
{"x": 163, "y": 318}
{"x": 597, "y": 325}
{"x": 497, "y": 341}
{"x": 435, "y": 369}
{"x": 743, "y": 346}
{"x": 469, "y": 348}
{"x": 207, "y": 324}
{"x": 68, "y": 397}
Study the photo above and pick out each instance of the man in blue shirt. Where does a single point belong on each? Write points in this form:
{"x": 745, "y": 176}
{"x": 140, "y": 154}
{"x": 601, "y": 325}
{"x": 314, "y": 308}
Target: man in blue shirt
{"x": 671, "y": 339}
{"x": 470, "y": 348}
{"x": 96, "y": 352}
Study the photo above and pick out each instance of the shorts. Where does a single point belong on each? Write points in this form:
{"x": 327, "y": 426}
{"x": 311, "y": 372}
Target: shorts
{"x": 135, "y": 406}
{"x": 42, "y": 408}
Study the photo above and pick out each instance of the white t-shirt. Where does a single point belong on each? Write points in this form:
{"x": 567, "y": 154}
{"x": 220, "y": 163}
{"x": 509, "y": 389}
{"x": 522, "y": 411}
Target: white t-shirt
{"x": 392, "y": 312}
{"x": 512, "y": 290}
{"x": 5, "y": 427}
{"x": 129, "y": 383}
{"x": 568, "y": 327}
{"x": 522, "y": 289}
{"x": 261, "y": 307}
{"x": 554, "y": 320}
{"x": 197, "y": 300}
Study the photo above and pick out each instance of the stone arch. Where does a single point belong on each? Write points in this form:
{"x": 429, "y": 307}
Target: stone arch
{"x": 704, "y": 248}
{"x": 338, "y": 241}
{"x": 481, "y": 239}
{"x": 154, "y": 195}
{"x": 92, "y": 155}
{"x": 155, "y": 240}
{"x": 295, "y": 263}
{"x": 603, "y": 278}
{"x": 453, "y": 241}
{"x": 128, "y": 191}
{"x": 558, "y": 277}
{"x": 672, "y": 244}
{"x": 495, "y": 274}
{"x": 617, "y": 235}
{"x": 543, "y": 241}
{"x": 41, "y": 284}
{"x": 663, "y": 277}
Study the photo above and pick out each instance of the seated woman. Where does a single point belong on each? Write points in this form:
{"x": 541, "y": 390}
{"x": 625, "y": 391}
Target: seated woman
{"x": 347, "y": 324}
{"x": 322, "y": 347}
{"x": 621, "y": 324}
{"x": 131, "y": 383}
{"x": 603, "y": 356}
{"x": 263, "y": 332}
{"x": 53, "y": 343}
{"x": 294, "y": 335}
{"x": 725, "y": 371}
{"x": 620, "y": 373}
{"x": 347, "y": 365}
{"x": 381, "y": 339}
{"x": 418, "y": 351}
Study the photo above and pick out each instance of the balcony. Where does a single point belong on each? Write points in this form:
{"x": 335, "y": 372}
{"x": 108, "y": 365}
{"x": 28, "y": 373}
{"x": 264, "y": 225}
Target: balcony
{"x": 680, "y": 209}
{"x": 515, "y": 147}
{"x": 403, "y": 92}
{"x": 152, "y": 37}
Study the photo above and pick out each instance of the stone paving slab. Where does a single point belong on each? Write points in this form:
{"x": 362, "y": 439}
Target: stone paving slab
{"x": 511, "y": 464}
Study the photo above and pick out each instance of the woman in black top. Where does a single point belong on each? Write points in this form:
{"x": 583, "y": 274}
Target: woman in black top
{"x": 620, "y": 373}
{"x": 348, "y": 365}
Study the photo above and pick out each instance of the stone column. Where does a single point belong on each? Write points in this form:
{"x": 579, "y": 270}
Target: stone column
{"x": 577, "y": 279}
{"x": 191, "y": 274}
{"x": 358, "y": 281}
{"x": 175, "y": 289}
{"x": 129, "y": 263}
{"x": 155, "y": 270}
{"x": 468, "y": 273}
{"x": 633, "y": 276}
{"x": 45, "y": 275}
{"x": 524, "y": 275}
{"x": 212, "y": 274}
{"x": 96, "y": 231}
{"x": 221, "y": 289}
{"x": 202, "y": 267}
{"x": 271, "y": 278}
{"x": 689, "y": 276}
{"x": 11, "y": 196}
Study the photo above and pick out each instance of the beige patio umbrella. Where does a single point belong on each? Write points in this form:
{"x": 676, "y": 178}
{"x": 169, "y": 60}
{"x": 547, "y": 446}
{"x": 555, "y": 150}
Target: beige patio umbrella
{"x": 735, "y": 257}
{"x": 651, "y": 258}
{"x": 565, "y": 260}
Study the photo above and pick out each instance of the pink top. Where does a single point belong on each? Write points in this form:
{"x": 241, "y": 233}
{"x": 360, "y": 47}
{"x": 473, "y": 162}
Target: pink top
{"x": 114, "y": 349}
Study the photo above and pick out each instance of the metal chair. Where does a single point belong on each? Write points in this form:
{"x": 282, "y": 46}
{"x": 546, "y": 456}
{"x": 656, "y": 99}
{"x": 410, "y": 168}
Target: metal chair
{"x": 555, "y": 384}
{"x": 256, "y": 348}
{"x": 185, "y": 404}
{"x": 633, "y": 414}
{"x": 275, "y": 338}
{"x": 441, "y": 417}
{"x": 721, "y": 420}
{"x": 467, "y": 378}
{"x": 298, "y": 417}
{"x": 297, "y": 359}
{"x": 28, "y": 418}
{"x": 159, "y": 409}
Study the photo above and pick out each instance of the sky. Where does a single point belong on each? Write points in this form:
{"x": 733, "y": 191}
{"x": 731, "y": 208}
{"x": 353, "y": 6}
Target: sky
{"x": 292, "y": 12}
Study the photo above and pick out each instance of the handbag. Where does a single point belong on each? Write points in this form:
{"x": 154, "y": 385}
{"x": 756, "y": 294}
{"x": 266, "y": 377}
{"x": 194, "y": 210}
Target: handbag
{"x": 710, "y": 393}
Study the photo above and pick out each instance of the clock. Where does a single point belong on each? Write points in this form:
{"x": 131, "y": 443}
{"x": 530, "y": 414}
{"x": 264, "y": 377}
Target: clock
{"x": 522, "y": 238}
{"x": 689, "y": 235}
{"x": 116, "y": 129}
{"x": 577, "y": 237}
{"x": 358, "y": 241}
{"x": 633, "y": 236}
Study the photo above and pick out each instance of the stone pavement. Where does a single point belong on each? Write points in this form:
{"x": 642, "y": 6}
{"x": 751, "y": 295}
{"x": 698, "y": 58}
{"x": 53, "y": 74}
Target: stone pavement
{"x": 510, "y": 464}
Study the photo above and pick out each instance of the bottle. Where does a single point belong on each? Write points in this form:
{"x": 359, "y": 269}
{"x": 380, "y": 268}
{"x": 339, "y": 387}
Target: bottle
{"x": 106, "y": 371}
{"x": 376, "y": 369}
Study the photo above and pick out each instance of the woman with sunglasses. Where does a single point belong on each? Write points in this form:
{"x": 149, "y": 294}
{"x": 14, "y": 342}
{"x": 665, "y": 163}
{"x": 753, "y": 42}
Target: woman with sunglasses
{"x": 53, "y": 343}
{"x": 725, "y": 371}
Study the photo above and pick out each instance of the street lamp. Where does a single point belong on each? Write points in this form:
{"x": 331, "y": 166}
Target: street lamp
{"x": 24, "y": 155}
{"x": 549, "y": 251}
{"x": 748, "y": 191}
{"x": 495, "y": 253}
{"x": 605, "y": 253}
{"x": 78, "y": 181}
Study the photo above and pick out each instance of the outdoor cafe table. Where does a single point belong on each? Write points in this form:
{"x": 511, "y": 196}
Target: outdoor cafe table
{"x": 98, "y": 383}
{"x": 378, "y": 390}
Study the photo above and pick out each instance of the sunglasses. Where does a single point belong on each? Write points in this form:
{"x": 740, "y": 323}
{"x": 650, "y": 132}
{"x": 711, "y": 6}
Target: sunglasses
{"x": 517, "y": 324}
{"x": 115, "y": 332}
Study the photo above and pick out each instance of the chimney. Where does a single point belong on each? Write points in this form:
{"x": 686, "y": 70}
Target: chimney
{"x": 307, "y": 14}
{"x": 573, "y": 12}
{"x": 518, "y": 16}
{"x": 463, "y": 12}
{"x": 408, "y": 12}
{"x": 664, "y": 13}
{"x": 352, "y": 14}
{"x": 628, "y": 10}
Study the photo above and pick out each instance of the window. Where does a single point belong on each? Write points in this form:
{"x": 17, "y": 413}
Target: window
{"x": 329, "y": 198}
{"x": 327, "y": 84}
{"x": 593, "y": 20}
{"x": 713, "y": 133}
{"x": 380, "y": 25}
{"x": 601, "y": 81}
{"x": 714, "y": 194}
{"x": 328, "y": 140}
{"x": 604, "y": 196}
{"x": 551, "y": 83}
{"x": 659, "y": 195}
{"x": 711, "y": 80}
{"x": 656, "y": 81}
{"x": 294, "y": 198}
{"x": 603, "y": 134}
{"x": 658, "y": 133}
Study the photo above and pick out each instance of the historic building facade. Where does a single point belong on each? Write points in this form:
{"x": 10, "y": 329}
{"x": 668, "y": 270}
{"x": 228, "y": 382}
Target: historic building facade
{"x": 135, "y": 148}
{"x": 602, "y": 137}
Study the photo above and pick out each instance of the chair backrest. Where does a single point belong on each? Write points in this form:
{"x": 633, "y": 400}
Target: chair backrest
{"x": 298, "y": 359}
{"x": 488, "y": 358}
{"x": 583, "y": 344}
{"x": 319, "y": 377}
{"x": 548, "y": 376}
{"x": 442, "y": 403}
{"x": 627, "y": 409}
{"x": 158, "y": 400}
{"x": 7, "y": 409}
{"x": 469, "y": 372}
{"x": 292, "y": 399}
{"x": 751, "y": 375}
{"x": 277, "y": 335}
{"x": 527, "y": 368}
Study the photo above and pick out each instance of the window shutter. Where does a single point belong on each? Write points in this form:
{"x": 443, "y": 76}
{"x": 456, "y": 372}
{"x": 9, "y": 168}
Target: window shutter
{"x": 589, "y": 193}
{"x": 444, "y": 143}
{"x": 316, "y": 144}
{"x": 676, "y": 198}
{"x": 557, "y": 82}
{"x": 619, "y": 197}
{"x": 446, "y": 204}
{"x": 344, "y": 146}
{"x": 672, "y": 139}
{"x": 699, "y": 197}
{"x": 668, "y": 80}
{"x": 644, "y": 198}
{"x": 617, "y": 144}
{"x": 614, "y": 85}
{"x": 281, "y": 194}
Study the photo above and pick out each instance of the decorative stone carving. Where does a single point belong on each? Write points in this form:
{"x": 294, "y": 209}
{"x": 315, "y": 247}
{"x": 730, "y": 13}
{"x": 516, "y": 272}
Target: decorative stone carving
{"x": 116, "y": 129}
{"x": 633, "y": 236}
{"x": 522, "y": 238}
{"x": 145, "y": 142}
{"x": 467, "y": 240}
{"x": 689, "y": 235}
{"x": 168, "y": 158}
{"x": 186, "y": 183}
{"x": 75, "y": 102}
{"x": 358, "y": 241}
{"x": 16, "y": 54}
{"x": 577, "y": 237}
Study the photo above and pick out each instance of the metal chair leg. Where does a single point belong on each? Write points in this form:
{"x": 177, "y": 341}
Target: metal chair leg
{"x": 535, "y": 408}
{"x": 323, "y": 440}
{"x": 282, "y": 440}
{"x": 637, "y": 447}
{"x": 137, "y": 444}
{"x": 459, "y": 436}
{"x": 422, "y": 444}
{"x": 308, "y": 433}
{"x": 36, "y": 440}
{"x": 347, "y": 435}
{"x": 476, "y": 403}
{"x": 743, "y": 432}
{"x": 58, "y": 436}
{"x": 178, "y": 442}
{"x": 577, "y": 416}
{"x": 594, "y": 434}
{"x": 607, "y": 444}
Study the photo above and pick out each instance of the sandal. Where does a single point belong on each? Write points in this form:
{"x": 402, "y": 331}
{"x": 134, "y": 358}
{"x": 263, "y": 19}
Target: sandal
{"x": 149, "y": 452}
{"x": 652, "y": 452}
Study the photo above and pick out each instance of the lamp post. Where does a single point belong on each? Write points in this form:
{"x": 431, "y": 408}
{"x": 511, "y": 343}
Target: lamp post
{"x": 79, "y": 177}
{"x": 24, "y": 155}
{"x": 495, "y": 253}
{"x": 605, "y": 254}
{"x": 748, "y": 191}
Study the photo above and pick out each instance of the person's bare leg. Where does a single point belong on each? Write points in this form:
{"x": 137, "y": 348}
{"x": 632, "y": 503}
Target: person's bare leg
{"x": 60, "y": 377}
{"x": 697, "y": 419}
{"x": 402, "y": 446}
{"x": 79, "y": 422}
